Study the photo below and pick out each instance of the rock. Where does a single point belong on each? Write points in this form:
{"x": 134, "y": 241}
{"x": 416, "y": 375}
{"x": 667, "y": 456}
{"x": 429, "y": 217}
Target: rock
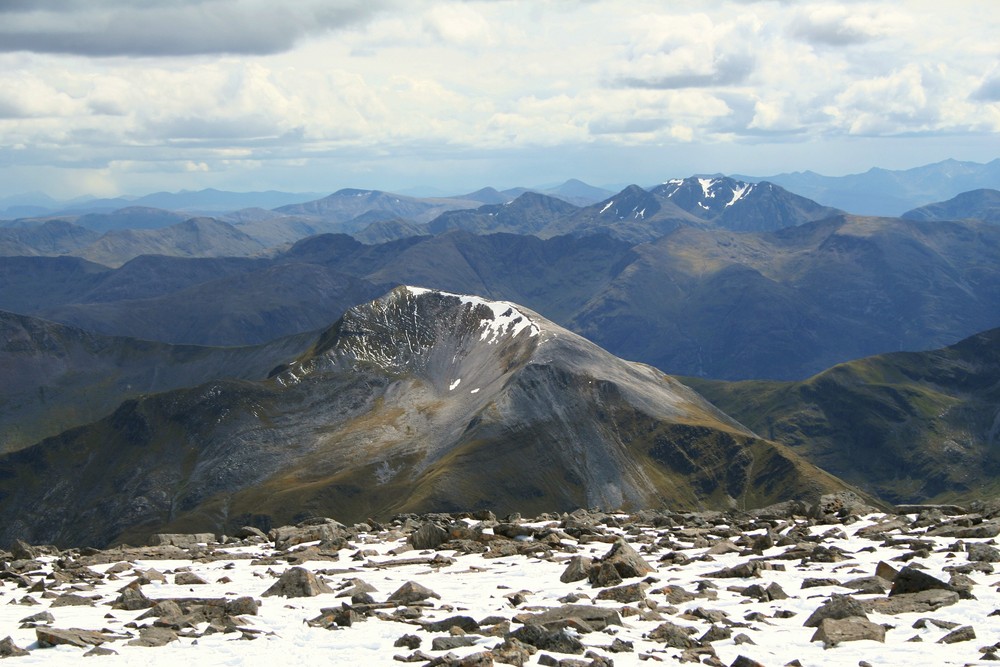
{"x": 131, "y": 599}
{"x": 513, "y": 652}
{"x": 593, "y": 617}
{"x": 743, "y": 661}
{"x": 886, "y": 571}
{"x": 449, "y": 643}
{"x": 627, "y": 561}
{"x": 838, "y": 606}
{"x": 40, "y": 617}
{"x": 188, "y": 579}
{"x": 715, "y": 633}
{"x": 673, "y": 635}
{"x": 557, "y": 641}
{"x": 921, "y": 602}
{"x": 983, "y": 553}
{"x": 411, "y": 592}
{"x": 984, "y": 530}
{"x": 72, "y": 600}
{"x": 21, "y": 550}
{"x": 832, "y": 631}
{"x": 428, "y": 536}
{"x": 411, "y": 642}
{"x": 962, "y": 634}
{"x": 912, "y": 580}
{"x": 182, "y": 540}
{"x": 577, "y": 569}
{"x": 604, "y": 574}
{"x": 868, "y": 585}
{"x": 325, "y": 531}
{"x": 625, "y": 594}
{"x": 48, "y": 637}
{"x": 242, "y": 606}
{"x": 812, "y": 582}
{"x": 465, "y": 623}
{"x": 99, "y": 651}
{"x": 8, "y": 649}
{"x": 249, "y": 532}
{"x": 840, "y": 505}
{"x": 297, "y": 582}
{"x": 154, "y": 636}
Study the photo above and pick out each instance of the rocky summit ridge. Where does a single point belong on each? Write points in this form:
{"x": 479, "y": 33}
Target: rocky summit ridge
{"x": 418, "y": 401}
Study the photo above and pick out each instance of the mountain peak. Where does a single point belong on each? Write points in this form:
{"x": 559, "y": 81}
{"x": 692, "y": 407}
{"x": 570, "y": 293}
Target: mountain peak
{"x": 437, "y": 335}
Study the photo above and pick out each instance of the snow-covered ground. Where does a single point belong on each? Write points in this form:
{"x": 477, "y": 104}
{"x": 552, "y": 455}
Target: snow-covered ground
{"x": 481, "y": 587}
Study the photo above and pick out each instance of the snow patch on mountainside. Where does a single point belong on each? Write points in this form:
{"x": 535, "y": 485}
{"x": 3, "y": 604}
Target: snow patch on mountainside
{"x": 507, "y": 319}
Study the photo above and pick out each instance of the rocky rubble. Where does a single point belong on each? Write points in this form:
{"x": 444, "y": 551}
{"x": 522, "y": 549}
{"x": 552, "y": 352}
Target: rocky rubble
{"x": 788, "y": 585}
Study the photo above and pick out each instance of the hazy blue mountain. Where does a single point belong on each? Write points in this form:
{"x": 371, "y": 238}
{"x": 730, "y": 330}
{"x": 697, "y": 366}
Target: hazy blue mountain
{"x": 530, "y": 213}
{"x": 57, "y": 377}
{"x": 976, "y": 205}
{"x": 886, "y": 192}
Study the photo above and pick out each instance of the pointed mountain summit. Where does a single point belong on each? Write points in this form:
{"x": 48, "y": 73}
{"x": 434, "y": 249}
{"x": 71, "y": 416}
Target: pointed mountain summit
{"x": 740, "y": 206}
{"x": 418, "y": 401}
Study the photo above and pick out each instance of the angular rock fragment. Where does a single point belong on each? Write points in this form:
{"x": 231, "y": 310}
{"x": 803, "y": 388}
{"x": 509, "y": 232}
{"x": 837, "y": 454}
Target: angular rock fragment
{"x": 962, "y": 634}
{"x": 577, "y": 569}
{"x": 625, "y": 594}
{"x": 411, "y": 592}
{"x": 912, "y": 580}
{"x": 833, "y": 631}
{"x": 154, "y": 636}
{"x": 557, "y": 641}
{"x": 8, "y": 649}
{"x": 838, "y": 606}
{"x": 297, "y": 582}
{"x": 592, "y": 617}
{"x": 72, "y": 637}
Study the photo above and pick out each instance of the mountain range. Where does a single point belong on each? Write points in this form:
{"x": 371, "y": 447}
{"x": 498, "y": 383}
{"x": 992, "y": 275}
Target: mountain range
{"x": 887, "y": 192}
{"x": 906, "y": 426}
{"x": 417, "y": 401}
{"x": 184, "y": 374}
{"x": 697, "y": 301}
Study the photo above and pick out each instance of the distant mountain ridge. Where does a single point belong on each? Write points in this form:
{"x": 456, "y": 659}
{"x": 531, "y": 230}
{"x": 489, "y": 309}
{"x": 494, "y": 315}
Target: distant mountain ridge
{"x": 886, "y": 192}
{"x": 906, "y": 426}
{"x": 981, "y": 204}
{"x": 57, "y": 377}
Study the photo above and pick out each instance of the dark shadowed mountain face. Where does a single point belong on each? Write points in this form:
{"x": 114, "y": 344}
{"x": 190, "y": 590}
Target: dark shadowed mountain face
{"x": 57, "y": 377}
{"x": 530, "y": 213}
{"x": 909, "y": 426}
{"x": 418, "y": 401}
{"x": 789, "y": 304}
{"x": 51, "y": 237}
{"x": 975, "y": 205}
{"x": 712, "y": 303}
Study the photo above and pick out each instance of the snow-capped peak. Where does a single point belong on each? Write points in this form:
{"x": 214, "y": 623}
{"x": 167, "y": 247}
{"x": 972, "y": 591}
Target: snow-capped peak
{"x": 506, "y": 320}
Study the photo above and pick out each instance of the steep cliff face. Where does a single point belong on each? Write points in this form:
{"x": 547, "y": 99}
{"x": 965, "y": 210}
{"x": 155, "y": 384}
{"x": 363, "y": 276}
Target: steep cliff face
{"x": 418, "y": 401}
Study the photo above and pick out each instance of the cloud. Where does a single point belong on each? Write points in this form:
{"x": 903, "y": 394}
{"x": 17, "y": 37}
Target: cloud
{"x": 988, "y": 90}
{"x": 834, "y": 25}
{"x": 725, "y": 70}
{"x": 186, "y": 27}
{"x": 675, "y": 52}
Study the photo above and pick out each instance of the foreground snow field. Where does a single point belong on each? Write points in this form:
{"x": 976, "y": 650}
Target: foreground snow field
{"x": 517, "y": 575}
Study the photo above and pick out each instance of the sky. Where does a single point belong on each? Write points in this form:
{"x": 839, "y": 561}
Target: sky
{"x": 113, "y": 97}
